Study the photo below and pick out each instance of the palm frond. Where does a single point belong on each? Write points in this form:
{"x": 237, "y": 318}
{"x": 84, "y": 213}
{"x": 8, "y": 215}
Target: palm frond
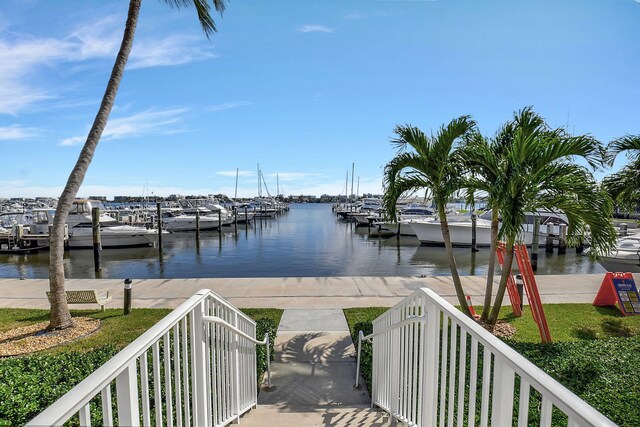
{"x": 203, "y": 9}
{"x": 627, "y": 143}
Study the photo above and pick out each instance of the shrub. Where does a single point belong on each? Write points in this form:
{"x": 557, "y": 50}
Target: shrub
{"x": 264, "y": 326}
{"x": 31, "y": 383}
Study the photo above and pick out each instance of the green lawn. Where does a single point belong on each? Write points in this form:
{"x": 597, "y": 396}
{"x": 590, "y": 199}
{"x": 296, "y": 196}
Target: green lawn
{"x": 115, "y": 329}
{"x": 567, "y": 322}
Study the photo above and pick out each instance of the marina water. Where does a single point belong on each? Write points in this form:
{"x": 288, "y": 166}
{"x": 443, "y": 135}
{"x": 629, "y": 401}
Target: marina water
{"x": 307, "y": 241}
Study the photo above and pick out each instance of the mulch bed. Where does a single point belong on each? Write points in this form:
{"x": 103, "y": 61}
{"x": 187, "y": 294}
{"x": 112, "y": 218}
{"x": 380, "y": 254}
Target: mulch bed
{"x": 32, "y": 338}
{"x": 501, "y": 329}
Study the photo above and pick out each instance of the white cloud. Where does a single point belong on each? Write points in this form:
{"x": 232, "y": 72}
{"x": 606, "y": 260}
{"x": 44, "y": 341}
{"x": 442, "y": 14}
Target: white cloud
{"x": 229, "y": 105}
{"x": 74, "y": 140}
{"x": 8, "y": 133}
{"x": 315, "y": 29}
{"x": 19, "y": 61}
{"x": 100, "y": 38}
{"x": 144, "y": 123}
{"x": 233, "y": 173}
{"x": 171, "y": 50}
{"x": 292, "y": 176}
{"x": 23, "y": 56}
{"x": 355, "y": 16}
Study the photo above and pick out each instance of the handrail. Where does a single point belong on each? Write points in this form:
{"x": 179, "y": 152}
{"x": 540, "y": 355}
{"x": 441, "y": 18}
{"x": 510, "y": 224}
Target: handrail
{"x": 102, "y": 376}
{"x": 566, "y": 400}
{"x": 265, "y": 341}
{"x": 361, "y": 337}
{"x": 422, "y": 406}
{"x": 80, "y": 395}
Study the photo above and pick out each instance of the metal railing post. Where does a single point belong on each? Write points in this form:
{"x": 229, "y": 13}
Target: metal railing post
{"x": 431, "y": 348}
{"x": 266, "y": 338}
{"x": 200, "y": 415}
{"x": 360, "y": 335}
{"x": 236, "y": 363}
{"x": 127, "y": 396}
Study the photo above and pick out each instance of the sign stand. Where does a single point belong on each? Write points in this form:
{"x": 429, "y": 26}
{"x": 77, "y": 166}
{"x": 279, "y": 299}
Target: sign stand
{"x": 619, "y": 289}
{"x": 512, "y": 289}
{"x": 533, "y": 296}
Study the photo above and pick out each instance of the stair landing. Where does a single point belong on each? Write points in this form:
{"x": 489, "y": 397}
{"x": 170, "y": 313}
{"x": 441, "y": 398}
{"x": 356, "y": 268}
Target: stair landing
{"x": 313, "y": 376}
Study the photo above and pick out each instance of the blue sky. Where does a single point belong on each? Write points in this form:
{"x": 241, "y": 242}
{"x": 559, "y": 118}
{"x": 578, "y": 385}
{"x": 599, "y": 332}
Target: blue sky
{"x": 305, "y": 88}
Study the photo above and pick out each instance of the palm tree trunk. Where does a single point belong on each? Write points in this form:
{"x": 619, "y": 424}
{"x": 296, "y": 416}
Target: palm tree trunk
{"x": 446, "y": 237}
{"x": 506, "y": 271}
{"x": 60, "y": 317}
{"x": 492, "y": 265}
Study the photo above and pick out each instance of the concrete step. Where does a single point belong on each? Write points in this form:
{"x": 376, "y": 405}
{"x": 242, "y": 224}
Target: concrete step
{"x": 272, "y": 415}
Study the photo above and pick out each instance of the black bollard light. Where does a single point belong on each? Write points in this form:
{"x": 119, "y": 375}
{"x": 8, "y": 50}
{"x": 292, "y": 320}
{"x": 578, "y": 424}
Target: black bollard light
{"x": 520, "y": 287}
{"x": 127, "y": 296}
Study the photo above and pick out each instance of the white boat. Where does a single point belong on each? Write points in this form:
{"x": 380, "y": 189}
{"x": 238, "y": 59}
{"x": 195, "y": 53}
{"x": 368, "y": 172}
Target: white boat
{"x": 625, "y": 257}
{"x": 113, "y": 234}
{"x": 366, "y": 217}
{"x": 429, "y": 232}
{"x": 175, "y": 221}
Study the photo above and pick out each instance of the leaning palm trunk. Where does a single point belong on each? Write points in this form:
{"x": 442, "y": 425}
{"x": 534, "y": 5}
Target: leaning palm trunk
{"x": 60, "y": 317}
{"x": 492, "y": 265}
{"x": 502, "y": 287}
{"x": 446, "y": 237}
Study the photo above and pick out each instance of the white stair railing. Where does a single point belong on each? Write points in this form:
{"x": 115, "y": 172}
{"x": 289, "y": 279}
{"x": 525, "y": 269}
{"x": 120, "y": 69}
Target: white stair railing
{"x": 434, "y": 366}
{"x": 196, "y": 367}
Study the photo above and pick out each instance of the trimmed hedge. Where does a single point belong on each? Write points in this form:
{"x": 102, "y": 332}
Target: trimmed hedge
{"x": 30, "y": 384}
{"x": 602, "y": 372}
{"x": 264, "y": 326}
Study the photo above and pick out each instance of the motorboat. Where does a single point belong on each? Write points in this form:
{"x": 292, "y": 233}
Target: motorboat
{"x": 177, "y": 221}
{"x": 625, "y": 257}
{"x": 366, "y": 217}
{"x": 429, "y": 231}
{"x": 113, "y": 234}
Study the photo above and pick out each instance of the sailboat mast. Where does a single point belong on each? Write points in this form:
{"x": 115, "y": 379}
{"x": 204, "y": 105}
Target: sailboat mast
{"x": 235, "y": 195}
{"x": 259, "y": 182}
{"x": 346, "y": 187}
{"x": 353, "y": 168}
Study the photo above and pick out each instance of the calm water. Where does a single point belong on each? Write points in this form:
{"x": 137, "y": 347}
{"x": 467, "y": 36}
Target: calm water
{"x": 307, "y": 241}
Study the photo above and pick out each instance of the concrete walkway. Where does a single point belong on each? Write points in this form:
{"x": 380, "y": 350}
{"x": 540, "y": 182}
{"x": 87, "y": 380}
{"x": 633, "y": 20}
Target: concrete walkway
{"x": 294, "y": 292}
{"x": 313, "y": 375}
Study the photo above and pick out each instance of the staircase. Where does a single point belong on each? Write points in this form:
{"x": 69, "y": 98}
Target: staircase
{"x": 313, "y": 376}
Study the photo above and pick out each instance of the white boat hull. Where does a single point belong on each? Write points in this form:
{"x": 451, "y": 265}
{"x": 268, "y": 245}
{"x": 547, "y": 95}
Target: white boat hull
{"x": 188, "y": 223}
{"x": 625, "y": 258}
{"x": 113, "y": 237}
{"x": 620, "y": 265}
{"x": 429, "y": 233}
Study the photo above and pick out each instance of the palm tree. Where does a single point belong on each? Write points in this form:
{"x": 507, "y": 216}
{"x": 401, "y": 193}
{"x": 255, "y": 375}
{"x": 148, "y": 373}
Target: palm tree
{"x": 483, "y": 160}
{"x": 537, "y": 171}
{"x": 434, "y": 164}
{"x": 624, "y": 185}
{"x": 60, "y": 317}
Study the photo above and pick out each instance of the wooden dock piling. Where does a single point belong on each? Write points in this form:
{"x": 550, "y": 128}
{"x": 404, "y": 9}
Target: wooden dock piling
{"x": 562, "y": 240}
{"x": 474, "y": 229}
{"x": 159, "y": 213}
{"x": 535, "y": 243}
{"x": 97, "y": 245}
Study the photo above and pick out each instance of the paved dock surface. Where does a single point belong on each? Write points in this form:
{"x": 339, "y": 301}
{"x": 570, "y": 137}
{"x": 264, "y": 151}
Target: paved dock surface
{"x": 294, "y": 292}
{"x": 313, "y": 376}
